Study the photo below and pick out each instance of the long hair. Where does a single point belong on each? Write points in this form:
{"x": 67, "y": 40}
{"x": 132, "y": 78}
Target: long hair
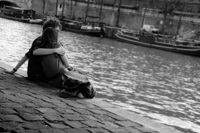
{"x": 49, "y": 38}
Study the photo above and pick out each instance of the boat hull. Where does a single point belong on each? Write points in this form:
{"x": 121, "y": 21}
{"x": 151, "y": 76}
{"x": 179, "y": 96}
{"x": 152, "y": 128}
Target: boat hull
{"x": 187, "y": 50}
{"x": 85, "y": 32}
{"x": 79, "y": 27}
{"x": 36, "y": 21}
{"x": 14, "y": 18}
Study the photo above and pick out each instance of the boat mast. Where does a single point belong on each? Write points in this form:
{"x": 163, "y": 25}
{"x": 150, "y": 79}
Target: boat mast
{"x": 86, "y": 14}
{"x": 44, "y": 6}
{"x": 32, "y": 4}
{"x": 180, "y": 18}
{"x": 71, "y": 9}
{"x": 118, "y": 13}
{"x": 101, "y": 9}
{"x": 56, "y": 7}
{"x": 63, "y": 8}
{"x": 143, "y": 19}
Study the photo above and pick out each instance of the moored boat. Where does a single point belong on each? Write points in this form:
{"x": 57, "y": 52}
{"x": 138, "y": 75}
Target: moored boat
{"x": 19, "y": 14}
{"x": 91, "y": 29}
{"x": 14, "y": 18}
{"x": 149, "y": 40}
{"x": 36, "y": 21}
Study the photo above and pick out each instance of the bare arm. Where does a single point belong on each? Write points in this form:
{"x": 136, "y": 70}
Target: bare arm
{"x": 19, "y": 64}
{"x": 46, "y": 51}
{"x": 70, "y": 68}
{"x": 65, "y": 61}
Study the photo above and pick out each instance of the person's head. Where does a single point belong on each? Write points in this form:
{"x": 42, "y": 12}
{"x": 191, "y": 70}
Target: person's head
{"x": 50, "y": 38}
{"x": 51, "y": 22}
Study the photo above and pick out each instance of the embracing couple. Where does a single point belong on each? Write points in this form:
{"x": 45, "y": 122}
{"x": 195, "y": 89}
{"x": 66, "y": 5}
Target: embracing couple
{"x": 48, "y": 63}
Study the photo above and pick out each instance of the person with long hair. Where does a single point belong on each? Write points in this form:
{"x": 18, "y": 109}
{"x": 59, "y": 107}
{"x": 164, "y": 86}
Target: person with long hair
{"x": 58, "y": 71}
{"x": 34, "y": 69}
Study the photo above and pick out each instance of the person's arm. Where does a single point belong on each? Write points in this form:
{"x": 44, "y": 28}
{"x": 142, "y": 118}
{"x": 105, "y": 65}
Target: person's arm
{"x": 19, "y": 64}
{"x": 70, "y": 68}
{"x": 46, "y": 51}
{"x": 65, "y": 61}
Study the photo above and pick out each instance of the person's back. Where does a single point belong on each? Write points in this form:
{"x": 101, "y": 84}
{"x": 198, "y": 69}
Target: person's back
{"x": 35, "y": 71}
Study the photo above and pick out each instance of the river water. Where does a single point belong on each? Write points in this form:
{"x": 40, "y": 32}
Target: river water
{"x": 160, "y": 85}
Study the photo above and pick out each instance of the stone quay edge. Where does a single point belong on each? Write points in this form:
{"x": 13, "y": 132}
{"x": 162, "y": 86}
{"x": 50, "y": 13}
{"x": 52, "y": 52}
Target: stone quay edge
{"x": 35, "y": 107}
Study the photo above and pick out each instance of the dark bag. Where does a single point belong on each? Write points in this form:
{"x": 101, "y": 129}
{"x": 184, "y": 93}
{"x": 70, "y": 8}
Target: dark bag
{"x": 75, "y": 84}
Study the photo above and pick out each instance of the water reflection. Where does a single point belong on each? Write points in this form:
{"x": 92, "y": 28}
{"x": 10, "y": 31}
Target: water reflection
{"x": 153, "y": 83}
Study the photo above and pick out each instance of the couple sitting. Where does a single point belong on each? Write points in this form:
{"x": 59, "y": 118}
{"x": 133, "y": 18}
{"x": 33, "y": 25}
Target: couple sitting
{"x": 47, "y": 62}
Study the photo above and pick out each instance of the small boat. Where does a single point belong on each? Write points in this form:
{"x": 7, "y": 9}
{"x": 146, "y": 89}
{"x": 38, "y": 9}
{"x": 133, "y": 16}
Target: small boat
{"x": 36, "y": 21}
{"x": 19, "y": 14}
{"x": 149, "y": 40}
{"x": 14, "y": 18}
{"x": 90, "y": 29}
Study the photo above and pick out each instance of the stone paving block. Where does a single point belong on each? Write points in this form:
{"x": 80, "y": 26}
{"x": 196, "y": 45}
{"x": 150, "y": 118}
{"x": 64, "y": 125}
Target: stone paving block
{"x": 31, "y": 116}
{"x": 61, "y": 105}
{"x": 26, "y": 110}
{"x": 77, "y": 130}
{"x": 108, "y": 124}
{"x": 57, "y": 125}
{"x": 98, "y": 130}
{"x": 42, "y": 110}
{"x": 90, "y": 117}
{"x": 104, "y": 118}
{"x": 127, "y": 124}
{"x": 41, "y": 103}
{"x": 55, "y": 101}
{"x": 74, "y": 104}
{"x": 7, "y": 111}
{"x": 93, "y": 124}
{"x": 133, "y": 130}
{"x": 100, "y": 103}
{"x": 86, "y": 103}
{"x": 75, "y": 124}
{"x": 51, "y": 131}
{"x": 98, "y": 111}
{"x": 27, "y": 131}
{"x": 8, "y": 126}
{"x": 3, "y": 100}
{"x": 15, "y": 99}
{"x": 46, "y": 110}
{"x": 34, "y": 125}
{"x": 119, "y": 130}
{"x": 10, "y": 105}
{"x": 43, "y": 98}
{"x": 145, "y": 129}
{"x": 36, "y": 90}
{"x": 25, "y": 96}
{"x": 66, "y": 111}
{"x": 83, "y": 111}
{"x": 73, "y": 117}
{"x": 53, "y": 117}
{"x": 116, "y": 117}
{"x": 29, "y": 105}
{"x": 11, "y": 118}
{"x": 7, "y": 92}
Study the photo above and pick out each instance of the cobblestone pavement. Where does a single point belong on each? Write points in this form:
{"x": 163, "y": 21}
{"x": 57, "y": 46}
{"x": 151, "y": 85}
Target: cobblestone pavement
{"x": 32, "y": 107}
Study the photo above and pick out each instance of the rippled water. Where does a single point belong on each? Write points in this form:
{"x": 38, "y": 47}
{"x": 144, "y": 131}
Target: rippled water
{"x": 160, "y": 85}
